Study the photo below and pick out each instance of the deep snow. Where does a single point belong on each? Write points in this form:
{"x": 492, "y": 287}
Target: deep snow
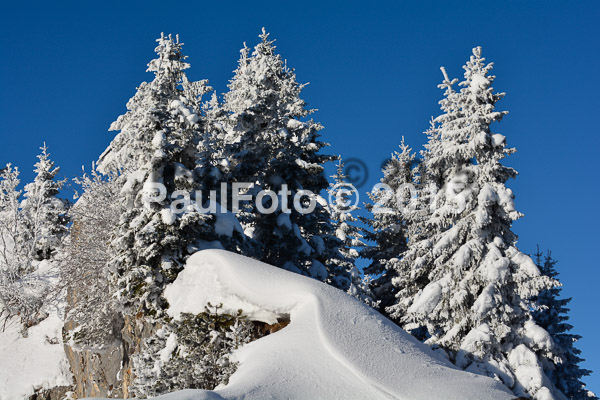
{"x": 334, "y": 348}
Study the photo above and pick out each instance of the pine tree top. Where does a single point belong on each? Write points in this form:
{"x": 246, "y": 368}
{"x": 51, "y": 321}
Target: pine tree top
{"x": 44, "y": 168}
{"x": 170, "y": 59}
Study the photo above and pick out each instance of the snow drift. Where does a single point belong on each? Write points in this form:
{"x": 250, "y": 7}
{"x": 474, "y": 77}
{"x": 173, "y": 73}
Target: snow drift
{"x": 334, "y": 347}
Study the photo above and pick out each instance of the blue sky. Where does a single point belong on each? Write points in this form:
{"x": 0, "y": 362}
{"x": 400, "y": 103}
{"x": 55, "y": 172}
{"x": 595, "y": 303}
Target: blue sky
{"x": 68, "y": 70}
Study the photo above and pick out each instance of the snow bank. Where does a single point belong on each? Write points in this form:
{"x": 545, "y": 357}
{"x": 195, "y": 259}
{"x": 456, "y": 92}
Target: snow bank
{"x": 334, "y": 348}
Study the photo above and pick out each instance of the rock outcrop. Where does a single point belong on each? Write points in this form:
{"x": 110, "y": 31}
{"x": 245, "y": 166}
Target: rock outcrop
{"x": 107, "y": 372}
{"x": 57, "y": 393}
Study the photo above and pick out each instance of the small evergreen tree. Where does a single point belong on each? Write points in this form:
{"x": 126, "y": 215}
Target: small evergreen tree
{"x": 387, "y": 226}
{"x": 31, "y": 230}
{"x": 552, "y": 315}
{"x": 347, "y": 240}
{"x": 341, "y": 214}
{"x": 44, "y": 213}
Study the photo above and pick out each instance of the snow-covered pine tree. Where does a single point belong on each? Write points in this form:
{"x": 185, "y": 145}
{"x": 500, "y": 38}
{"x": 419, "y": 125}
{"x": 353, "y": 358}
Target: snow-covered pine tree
{"x": 476, "y": 285}
{"x": 211, "y": 159}
{"x": 156, "y": 145}
{"x": 30, "y": 231}
{"x": 386, "y": 228}
{"x": 341, "y": 215}
{"x": 348, "y": 238}
{"x": 270, "y": 143}
{"x": 411, "y": 271}
{"x": 44, "y": 214}
{"x": 552, "y": 315}
{"x": 212, "y": 172}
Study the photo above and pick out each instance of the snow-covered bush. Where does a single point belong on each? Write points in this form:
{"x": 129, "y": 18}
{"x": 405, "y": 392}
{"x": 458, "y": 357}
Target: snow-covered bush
{"x": 85, "y": 260}
{"x": 192, "y": 352}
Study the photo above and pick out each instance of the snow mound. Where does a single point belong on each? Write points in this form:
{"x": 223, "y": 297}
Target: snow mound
{"x": 334, "y": 347}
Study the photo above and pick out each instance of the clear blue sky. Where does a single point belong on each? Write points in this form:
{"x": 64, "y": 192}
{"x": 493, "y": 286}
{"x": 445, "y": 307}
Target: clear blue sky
{"x": 68, "y": 68}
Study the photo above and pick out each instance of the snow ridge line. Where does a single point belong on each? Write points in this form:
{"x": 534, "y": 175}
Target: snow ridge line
{"x": 339, "y": 357}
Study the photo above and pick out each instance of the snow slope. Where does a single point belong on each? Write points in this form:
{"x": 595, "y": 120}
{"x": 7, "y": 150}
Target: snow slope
{"x": 31, "y": 363}
{"x": 37, "y": 361}
{"x": 334, "y": 348}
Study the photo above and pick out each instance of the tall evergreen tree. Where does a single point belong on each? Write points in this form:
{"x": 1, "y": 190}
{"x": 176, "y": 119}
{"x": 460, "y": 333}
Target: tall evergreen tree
{"x": 271, "y": 144}
{"x": 212, "y": 173}
{"x": 552, "y": 315}
{"x": 387, "y": 226}
{"x": 411, "y": 271}
{"x": 156, "y": 146}
{"x": 472, "y": 285}
{"x": 211, "y": 159}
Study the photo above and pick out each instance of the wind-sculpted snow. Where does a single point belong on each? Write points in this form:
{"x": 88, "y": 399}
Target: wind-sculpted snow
{"x": 335, "y": 347}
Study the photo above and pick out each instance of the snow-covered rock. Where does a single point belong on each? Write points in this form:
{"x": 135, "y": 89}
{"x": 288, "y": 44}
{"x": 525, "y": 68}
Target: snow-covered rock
{"x": 335, "y": 347}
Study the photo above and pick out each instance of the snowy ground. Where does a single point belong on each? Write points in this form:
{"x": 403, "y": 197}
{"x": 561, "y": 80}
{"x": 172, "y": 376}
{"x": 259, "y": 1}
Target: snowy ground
{"x": 37, "y": 361}
{"x": 334, "y": 348}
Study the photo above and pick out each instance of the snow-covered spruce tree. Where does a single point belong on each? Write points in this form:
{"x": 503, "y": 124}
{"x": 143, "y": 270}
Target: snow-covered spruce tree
{"x": 270, "y": 143}
{"x": 343, "y": 219}
{"x": 156, "y": 146}
{"x": 552, "y": 315}
{"x": 192, "y": 352}
{"x": 210, "y": 152}
{"x": 411, "y": 271}
{"x": 85, "y": 258}
{"x": 476, "y": 285}
{"x": 348, "y": 236}
{"x": 30, "y": 231}
{"x": 44, "y": 214}
{"x": 390, "y": 203}
{"x": 212, "y": 172}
